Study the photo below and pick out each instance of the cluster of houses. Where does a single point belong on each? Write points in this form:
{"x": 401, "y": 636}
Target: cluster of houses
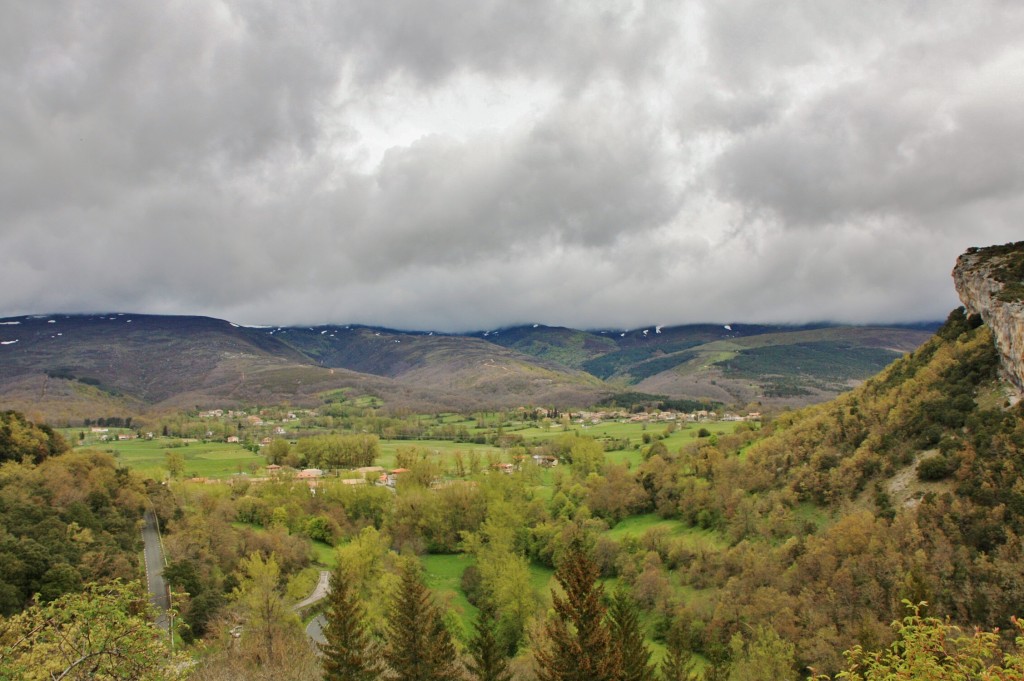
{"x": 105, "y": 435}
{"x": 700, "y": 416}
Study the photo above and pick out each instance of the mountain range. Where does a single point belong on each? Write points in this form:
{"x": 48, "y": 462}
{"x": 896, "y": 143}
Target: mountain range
{"x": 65, "y": 367}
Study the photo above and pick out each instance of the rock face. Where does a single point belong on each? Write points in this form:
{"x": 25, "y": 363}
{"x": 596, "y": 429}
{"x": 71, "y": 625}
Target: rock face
{"x": 988, "y": 281}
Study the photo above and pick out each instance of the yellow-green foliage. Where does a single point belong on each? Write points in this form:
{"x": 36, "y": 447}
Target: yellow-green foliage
{"x": 22, "y": 440}
{"x": 933, "y": 649}
{"x": 830, "y": 452}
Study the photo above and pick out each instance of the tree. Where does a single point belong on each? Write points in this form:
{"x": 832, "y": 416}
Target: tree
{"x": 933, "y": 649}
{"x": 578, "y": 644}
{"x": 175, "y": 463}
{"x": 488, "y": 659}
{"x": 504, "y": 573}
{"x": 267, "y": 618}
{"x": 278, "y": 451}
{"x": 419, "y": 646}
{"x": 105, "y": 632}
{"x": 677, "y": 665}
{"x": 350, "y": 653}
{"x": 765, "y": 656}
{"x": 624, "y": 619}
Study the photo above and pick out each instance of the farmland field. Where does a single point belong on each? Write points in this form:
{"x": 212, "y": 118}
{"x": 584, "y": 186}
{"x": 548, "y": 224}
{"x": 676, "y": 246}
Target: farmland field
{"x": 202, "y": 459}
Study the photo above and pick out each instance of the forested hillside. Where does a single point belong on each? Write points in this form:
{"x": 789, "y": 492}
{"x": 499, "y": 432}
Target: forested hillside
{"x": 906, "y": 488}
{"x": 66, "y": 518}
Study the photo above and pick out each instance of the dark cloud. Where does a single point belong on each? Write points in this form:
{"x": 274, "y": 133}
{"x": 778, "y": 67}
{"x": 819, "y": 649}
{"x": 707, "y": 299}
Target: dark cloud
{"x": 455, "y": 166}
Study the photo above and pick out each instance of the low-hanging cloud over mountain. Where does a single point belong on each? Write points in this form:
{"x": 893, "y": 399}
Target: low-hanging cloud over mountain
{"x": 461, "y": 166}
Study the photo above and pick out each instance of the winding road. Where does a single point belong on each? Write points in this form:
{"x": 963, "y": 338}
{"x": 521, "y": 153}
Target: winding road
{"x": 159, "y": 594}
{"x": 315, "y": 628}
{"x": 323, "y": 587}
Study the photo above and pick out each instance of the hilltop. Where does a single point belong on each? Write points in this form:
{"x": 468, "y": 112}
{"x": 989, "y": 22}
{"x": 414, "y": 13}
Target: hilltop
{"x": 73, "y": 366}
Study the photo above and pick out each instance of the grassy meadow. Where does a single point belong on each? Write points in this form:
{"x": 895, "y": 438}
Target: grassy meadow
{"x": 202, "y": 459}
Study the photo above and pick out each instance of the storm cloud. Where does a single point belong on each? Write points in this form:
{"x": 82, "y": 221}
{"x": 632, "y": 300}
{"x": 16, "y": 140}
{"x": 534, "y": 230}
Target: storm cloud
{"x": 453, "y": 166}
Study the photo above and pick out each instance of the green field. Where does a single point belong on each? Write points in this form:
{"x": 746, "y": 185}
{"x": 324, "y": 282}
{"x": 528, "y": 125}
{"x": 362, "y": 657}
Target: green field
{"x": 444, "y": 577}
{"x": 202, "y": 459}
{"x": 440, "y": 449}
{"x": 637, "y": 525}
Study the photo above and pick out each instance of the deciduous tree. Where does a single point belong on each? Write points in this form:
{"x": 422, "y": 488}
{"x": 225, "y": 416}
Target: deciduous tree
{"x": 267, "y": 618}
{"x": 105, "y": 632}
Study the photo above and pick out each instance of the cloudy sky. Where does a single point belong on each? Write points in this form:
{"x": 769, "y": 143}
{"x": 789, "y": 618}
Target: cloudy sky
{"x": 460, "y": 165}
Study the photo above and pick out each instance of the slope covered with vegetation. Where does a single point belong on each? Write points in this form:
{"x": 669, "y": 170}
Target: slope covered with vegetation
{"x": 906, "y": 488}
{"x": 67, "y": 519}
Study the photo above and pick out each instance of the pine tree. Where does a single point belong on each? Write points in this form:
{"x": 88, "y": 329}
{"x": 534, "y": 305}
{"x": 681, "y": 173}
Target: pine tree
{"x": 579, "y": 643}
{"x": 489, "y": 663}
{"x": 349, "y": 654}
{"x": 624, "y": 620}
{"x": 677, "y": 665}
{"x": 717, "y": 668}
{"x": 419, "y": 645}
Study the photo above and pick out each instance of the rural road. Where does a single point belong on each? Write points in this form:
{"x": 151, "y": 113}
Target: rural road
{"x": 320, "y": 591}
{"x": 315, "y": 629}
{"x": 154, "y": 558}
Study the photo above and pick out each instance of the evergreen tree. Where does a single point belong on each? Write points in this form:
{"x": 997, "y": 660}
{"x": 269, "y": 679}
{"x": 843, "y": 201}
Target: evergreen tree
{"x": 489, "y": 663}
{"x": 717, "y": 668}
{"x": 677, "y": 665}
{"x": 419, "y": 645}
{"x": 624, "y": 620}
{"x": 579, "y": 642}
{"x": 349, "y": 653}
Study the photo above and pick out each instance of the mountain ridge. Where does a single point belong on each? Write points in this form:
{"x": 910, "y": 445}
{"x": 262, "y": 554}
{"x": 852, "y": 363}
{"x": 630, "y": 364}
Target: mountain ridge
{"x": 137, "y": 362}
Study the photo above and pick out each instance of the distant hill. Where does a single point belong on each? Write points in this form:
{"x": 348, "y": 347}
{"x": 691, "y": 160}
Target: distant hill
{"x": 75, "y": 366}
{"x": 733, "y": 363}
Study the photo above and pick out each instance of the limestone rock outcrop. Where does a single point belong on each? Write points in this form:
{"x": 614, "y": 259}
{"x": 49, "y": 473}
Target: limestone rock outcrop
{"x": 988, "y": 281}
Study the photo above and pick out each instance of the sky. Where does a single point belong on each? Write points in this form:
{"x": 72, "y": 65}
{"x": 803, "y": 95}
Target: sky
{"x": 455, "y": 166}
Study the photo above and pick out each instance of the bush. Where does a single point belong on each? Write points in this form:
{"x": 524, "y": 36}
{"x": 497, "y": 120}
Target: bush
{"x": 936, "y": 468}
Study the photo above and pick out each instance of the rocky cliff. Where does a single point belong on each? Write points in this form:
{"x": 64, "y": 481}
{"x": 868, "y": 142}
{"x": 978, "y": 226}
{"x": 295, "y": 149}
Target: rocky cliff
{"x": 990, "y": 282}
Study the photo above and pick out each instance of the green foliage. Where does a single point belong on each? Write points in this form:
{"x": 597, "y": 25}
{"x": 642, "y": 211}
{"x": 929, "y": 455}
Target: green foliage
{"x": 933, "y": 649}
{"x": 1006, "y": 263}
{"x": 578, "y": 644}
{"x": 936, "y": 468}
{"x": 419, "y": 646}
{"x": 628, "y": 637}
{"x": 68, "y": 521}
{"x": 678, "y": 663}
{"x": 22, "y": 440}
{"x": 339, "y": 451}
{"x": 632, "y": 401}
{"x": 175, "y": 463}
{"x": 349, "y": 652}
{"x": 488, "y": 660}
{"x": 652, "y": 367}
{"x": 584, "y": 453}
{"x": 822, "y": 363}
{"x": 635, "y": 359}
{"x": 260, "y": 603}
{"x": 105, "y": 632}
{"x": 764, "y": 655}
